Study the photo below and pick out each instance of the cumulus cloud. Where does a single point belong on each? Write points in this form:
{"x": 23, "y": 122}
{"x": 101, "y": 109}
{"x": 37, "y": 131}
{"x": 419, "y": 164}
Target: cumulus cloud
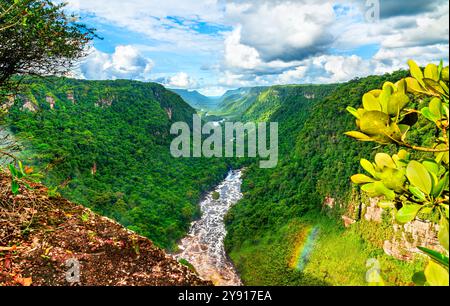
{"x": 171, "y": 24}
{"x": 240, "y": 43}
{"x": 180, "y": 80}
{"x": 328, "y": 69}
{"x": 292, "y": 76}
{"x": 238, "y": 55}
{"x": 125, "y": 63}
{"x": 281, "y": 30}
{"x": 393, "y": 8}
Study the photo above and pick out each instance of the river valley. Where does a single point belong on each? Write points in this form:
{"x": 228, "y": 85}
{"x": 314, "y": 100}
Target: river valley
{"x": 203, "y": 247}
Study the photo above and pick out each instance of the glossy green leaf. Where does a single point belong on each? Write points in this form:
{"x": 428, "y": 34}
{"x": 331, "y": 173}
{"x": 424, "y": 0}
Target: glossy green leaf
{"x": 374, "y": 122}
{"x": 368, "y": 166}
{"x": 358, "y": 135}
{"x": 444, "y": 87}
{"x": 393, "y": 179}
{"x": 371, "y": 103}
{"x": 407, "y": 213}
{"x": 418, "y": 176}
{"x": 426, "y": 112}
{"x": 353, "y": 111}
{"x": 442, "y": 156}
{"x": 384, "y": 160}
{"x": 15, "y": 187}
{"x": 435, "y": 255}
{"x": 417, "y": 193}
{"x": 434, "y": 87}
{"x": 361, "y": 179}
{"x": 419, "y": 278}
{"x": 386, "y": 204}
{"x": 401, "y": 86}
{"x": 378, "y": 189}
{"x": 444, "y": 74}
{"x": 431, "y": 72}
{"x": 397, "y": 102}
{"x": 445, "y": 209}
{"x": 440, "y": 186}
{"x": 431, "y": 166}
{"x": 381, "y": 189}
{"x": 416, "y": 72}
{"x": 413, "y": 86}
{"x": 436, "y": 107}
{"x": 436, "y": 275}
{"x": 443, "y": 232}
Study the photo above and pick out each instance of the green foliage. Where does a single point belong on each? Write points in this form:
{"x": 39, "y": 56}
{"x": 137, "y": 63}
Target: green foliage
{"x": 108, "y": 149}
{"x": 410, "y": 185}
{"x": 315, "y": 156}
{"x": 37, "y": 38}
{"x": 21, "y": 176}
{"x": 216, "y": 195}
{"x": 338, "y": 258}
{"x": 186, "y": 263}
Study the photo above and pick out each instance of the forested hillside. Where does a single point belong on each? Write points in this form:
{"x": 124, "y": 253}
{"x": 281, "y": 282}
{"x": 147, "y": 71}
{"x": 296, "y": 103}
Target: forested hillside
{"x": 105, "y": 144}
{"x": 281, "y": 205}
{"x": 235, "y": 102}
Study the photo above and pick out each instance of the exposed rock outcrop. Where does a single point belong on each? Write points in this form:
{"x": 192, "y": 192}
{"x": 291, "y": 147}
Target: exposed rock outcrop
{"x": 105, "y": 102}
{"x": 407, "y": 237}
{"x": 9, "y": 102}
{"x": 169, "y": 112}
{"x": 411, "y": 235}
{"x": 29, "y": 106}
{"x": 310, "y": 96}
{"x": 373, "y": 211}
{"x": 348, "y": 221}
{"x": 51, "y": 241}
{"x": 51, "y": 101}
{"x": 71, "y": 97}
{"x": 329, "y": 202}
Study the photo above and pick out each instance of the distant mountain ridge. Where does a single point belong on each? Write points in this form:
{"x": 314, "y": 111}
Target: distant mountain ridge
{"x": 197, "y": 100}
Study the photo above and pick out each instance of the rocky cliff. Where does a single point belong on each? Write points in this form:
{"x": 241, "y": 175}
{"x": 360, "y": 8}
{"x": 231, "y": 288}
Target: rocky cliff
{"x": 50, "y": 241}
{"x": 404, "y": 239}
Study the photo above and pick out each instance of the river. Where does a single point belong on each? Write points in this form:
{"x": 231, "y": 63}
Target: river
{"x": 203, "y": 247}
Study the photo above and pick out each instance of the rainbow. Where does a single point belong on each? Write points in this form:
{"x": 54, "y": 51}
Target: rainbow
{"x": 303, "y": 249}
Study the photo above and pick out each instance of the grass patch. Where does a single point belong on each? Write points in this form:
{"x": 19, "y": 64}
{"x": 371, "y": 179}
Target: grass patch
{"x": 339, "y": 256}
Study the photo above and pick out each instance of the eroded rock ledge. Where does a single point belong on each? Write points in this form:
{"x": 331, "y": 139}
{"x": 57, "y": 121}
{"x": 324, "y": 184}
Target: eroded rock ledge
{"x": 39, "y": 234}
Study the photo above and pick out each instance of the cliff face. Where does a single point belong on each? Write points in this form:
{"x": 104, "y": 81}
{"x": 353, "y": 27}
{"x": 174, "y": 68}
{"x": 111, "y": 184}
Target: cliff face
{"x": 51, "y": 241}
{"x": 404, "y": 239}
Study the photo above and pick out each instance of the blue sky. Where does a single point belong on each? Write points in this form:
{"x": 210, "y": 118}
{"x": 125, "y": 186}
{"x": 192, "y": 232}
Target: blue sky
{"x": 216, "y": 45}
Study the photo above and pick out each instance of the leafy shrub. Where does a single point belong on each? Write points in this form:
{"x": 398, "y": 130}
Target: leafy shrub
{"x": 408, "y": 184}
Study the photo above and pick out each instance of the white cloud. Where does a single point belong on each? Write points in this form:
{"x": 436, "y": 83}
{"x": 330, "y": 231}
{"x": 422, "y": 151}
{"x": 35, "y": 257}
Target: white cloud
{"x": 390, "y": 59}
{"x": 266, "y": 41}
{"x": 181, "y": 80}
{"x": 327, "y": 69}
{"x": 125, "y": 63}
{"x": 168, "y": 23}
{"x": 292, "y": 76}
{"x": 342, "y": 68}
{"x": 283, "y": 30}
{"x": 238, "y": 55}
{"x": 214, "y": 91}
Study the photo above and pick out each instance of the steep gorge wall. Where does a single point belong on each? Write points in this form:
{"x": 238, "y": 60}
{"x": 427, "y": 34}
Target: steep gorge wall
{"x": 403, "y": 239}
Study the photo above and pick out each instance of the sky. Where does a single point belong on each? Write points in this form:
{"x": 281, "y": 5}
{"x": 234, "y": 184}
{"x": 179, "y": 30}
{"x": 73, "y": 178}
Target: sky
{"x": 216, "y": 45}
